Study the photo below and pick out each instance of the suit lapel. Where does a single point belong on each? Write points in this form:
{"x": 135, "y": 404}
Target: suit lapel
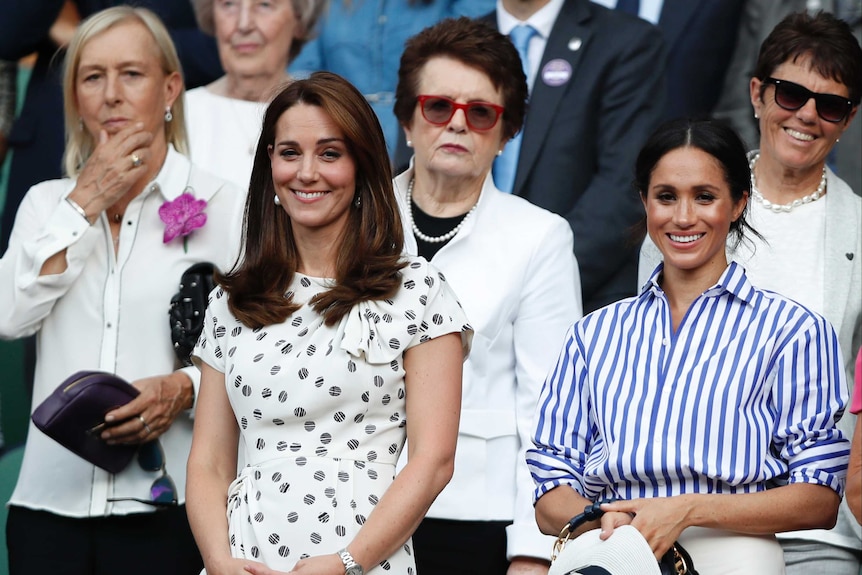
{"x": 675, "y": 14}
{"x": 570, "y": 26}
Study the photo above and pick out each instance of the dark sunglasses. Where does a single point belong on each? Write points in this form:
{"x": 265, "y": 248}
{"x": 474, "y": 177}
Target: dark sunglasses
{"x": 163, "y": 492}
{"x": 438, "y": 110}
{"x": 790, "y": 96}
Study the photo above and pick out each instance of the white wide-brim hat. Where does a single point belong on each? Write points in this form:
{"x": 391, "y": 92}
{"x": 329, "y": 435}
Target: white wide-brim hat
{"x": 625, "y": 552}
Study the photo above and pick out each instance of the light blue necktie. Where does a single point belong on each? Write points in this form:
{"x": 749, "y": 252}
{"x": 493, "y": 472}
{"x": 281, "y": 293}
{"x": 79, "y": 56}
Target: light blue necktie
{"x": 506, "y": 164}
{"x": 629, "y": 6}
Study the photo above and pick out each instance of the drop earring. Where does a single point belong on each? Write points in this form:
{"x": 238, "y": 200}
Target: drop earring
{"x": 276, "y": 200}
{"x": 358, "y": 201}
{"x": 168, "y": 115}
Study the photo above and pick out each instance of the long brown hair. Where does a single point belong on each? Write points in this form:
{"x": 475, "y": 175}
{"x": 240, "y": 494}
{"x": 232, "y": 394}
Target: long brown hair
{"x": 368, "y": 261}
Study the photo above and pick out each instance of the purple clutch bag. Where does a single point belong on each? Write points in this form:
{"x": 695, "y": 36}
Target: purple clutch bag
{"x": 74, "y": 416}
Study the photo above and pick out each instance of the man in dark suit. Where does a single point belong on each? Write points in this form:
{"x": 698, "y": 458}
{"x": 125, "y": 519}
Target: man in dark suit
{"x": 700, "y": 35}
{"x": 597, "y": 93}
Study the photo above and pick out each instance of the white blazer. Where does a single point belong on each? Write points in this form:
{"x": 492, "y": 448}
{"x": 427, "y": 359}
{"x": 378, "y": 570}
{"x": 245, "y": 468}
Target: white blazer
{"x": 513, "y": 269}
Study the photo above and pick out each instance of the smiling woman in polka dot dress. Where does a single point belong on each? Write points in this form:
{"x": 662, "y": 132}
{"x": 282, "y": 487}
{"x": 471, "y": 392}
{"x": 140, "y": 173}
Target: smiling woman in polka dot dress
{"x": 318, "y": 348}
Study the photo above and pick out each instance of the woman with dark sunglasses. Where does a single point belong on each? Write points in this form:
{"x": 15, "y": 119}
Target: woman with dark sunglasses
{"x": 460, "y": 98}
{"x": 805, "y": 93}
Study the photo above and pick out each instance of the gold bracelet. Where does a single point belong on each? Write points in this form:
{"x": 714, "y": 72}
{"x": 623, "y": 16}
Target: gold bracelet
{"x": 78, "y": 209}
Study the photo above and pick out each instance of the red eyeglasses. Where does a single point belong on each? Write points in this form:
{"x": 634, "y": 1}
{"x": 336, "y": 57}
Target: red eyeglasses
{"x": 438, "y": 110}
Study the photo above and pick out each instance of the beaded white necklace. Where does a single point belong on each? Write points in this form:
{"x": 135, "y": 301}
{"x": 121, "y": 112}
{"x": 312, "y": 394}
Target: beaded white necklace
{"x": 778, "y": 208}
{"x": 430, "y": 239}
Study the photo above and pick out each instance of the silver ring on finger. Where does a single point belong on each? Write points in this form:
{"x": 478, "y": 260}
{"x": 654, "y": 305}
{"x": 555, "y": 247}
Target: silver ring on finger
{"x": 136, "y": 160}
{"x": 146, "y": 427}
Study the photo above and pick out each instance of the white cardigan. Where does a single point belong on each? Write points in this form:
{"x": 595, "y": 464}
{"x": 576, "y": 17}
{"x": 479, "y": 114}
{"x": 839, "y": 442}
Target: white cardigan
{"x": 513, "y": 269}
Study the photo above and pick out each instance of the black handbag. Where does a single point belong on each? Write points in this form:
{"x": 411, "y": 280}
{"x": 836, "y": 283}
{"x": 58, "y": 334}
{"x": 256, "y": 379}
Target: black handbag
{"x": 74, "y": 416}
{"x": 676, "y": 561}
{"x": 188, "y": 306}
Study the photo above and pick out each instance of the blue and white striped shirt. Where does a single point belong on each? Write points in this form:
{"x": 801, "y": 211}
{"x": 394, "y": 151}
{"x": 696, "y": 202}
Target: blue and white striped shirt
{"x": 744, "y": 396}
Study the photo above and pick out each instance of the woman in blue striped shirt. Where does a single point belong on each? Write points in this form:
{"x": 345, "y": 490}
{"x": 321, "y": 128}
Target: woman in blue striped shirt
{"x": 706, "y": 406}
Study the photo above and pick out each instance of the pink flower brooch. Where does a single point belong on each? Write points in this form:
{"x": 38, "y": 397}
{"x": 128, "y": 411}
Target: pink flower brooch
{"x": 182, "y": 216}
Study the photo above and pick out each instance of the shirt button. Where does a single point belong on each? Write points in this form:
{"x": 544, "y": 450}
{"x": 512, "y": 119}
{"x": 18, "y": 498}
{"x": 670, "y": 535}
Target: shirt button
{"x": 382, "y": 19}
{"x": 664, "y": 342}
{"x": 108, "y": 325}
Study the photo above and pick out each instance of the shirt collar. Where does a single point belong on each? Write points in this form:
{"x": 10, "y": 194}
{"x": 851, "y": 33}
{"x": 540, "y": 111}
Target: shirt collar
{"x": 733, "y": 281}
{"x": 542, "y": 21}
{"x": 174, "y": 177}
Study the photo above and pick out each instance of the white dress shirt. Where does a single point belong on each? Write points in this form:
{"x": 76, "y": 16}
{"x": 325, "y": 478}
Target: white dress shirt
{"x": 650, "y": 10}
{"x": 106, "y": 313}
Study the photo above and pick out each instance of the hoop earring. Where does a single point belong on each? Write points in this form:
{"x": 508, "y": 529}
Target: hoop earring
{"x": 276, "y": 200}
{"x": 168, "y": 115}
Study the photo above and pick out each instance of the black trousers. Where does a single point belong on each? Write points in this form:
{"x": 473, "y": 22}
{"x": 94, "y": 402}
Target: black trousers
{"x": 448, "y": 547}
{"x": 42, "y": 543}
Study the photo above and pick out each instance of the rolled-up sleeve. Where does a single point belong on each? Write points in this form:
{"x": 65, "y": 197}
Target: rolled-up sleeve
{"x": 562, "y": 428}
{"x": 810, "y": 394}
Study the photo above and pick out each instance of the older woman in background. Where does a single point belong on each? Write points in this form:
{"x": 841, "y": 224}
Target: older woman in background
{"x": 461, "y": 95}
{"x": 256, "y": 41}
{"x": 805, "y": 92}
{"x": 91, "y": 270}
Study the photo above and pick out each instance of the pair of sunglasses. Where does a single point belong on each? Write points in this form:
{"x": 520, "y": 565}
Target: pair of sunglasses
{"x": 438, "y": 110}
{"x": 791, "y": 96}
{"x": 163, "y": 492}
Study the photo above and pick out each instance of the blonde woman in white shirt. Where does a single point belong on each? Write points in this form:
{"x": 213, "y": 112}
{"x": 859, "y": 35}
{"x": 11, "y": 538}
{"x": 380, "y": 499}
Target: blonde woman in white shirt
{"x": 89, "y": 271}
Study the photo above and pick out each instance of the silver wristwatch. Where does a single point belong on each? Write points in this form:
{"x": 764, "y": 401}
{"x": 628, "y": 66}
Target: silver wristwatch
{"x": 351, "y": 567}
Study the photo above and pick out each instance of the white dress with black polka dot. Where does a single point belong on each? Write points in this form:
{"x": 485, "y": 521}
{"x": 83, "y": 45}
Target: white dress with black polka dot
{"x": 321, "y": 412}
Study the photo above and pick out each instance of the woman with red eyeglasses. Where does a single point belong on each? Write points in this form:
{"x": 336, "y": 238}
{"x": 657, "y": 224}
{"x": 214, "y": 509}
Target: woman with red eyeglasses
{"x": 460, "y": 97}
{"x": 805, "y": 93}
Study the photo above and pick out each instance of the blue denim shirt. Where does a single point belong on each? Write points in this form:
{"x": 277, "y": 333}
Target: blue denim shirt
{"x": 362, "y": 40}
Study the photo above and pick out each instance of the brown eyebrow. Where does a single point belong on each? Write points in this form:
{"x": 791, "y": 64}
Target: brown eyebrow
{"x": 320, "y": 142}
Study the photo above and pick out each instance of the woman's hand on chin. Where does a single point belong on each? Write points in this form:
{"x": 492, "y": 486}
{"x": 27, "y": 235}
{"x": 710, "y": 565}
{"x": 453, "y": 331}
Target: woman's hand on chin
{"x": 115, "y": 166}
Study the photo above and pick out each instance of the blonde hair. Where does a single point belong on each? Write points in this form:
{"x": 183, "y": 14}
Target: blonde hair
{"x": 79, "y": 142}
{"x": 306, "y": 12}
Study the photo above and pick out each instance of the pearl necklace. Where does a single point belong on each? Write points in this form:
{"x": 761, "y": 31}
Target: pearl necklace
{"x": 778, "y": 208}
{"x": 430, "y": 239}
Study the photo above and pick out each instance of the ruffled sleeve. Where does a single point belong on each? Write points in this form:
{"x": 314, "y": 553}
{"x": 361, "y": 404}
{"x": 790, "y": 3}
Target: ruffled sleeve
{"x": 209, "y": 347}
{"x": 424, "y": 308}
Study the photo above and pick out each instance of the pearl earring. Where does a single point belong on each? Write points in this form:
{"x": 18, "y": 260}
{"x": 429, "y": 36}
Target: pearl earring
{"x": 168, "y": 115}
{"x": 499, "y": 152}
{"x": 409, "y": 143}
{"x": 756, "y": 117}
{"x": 277, "y": 200}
